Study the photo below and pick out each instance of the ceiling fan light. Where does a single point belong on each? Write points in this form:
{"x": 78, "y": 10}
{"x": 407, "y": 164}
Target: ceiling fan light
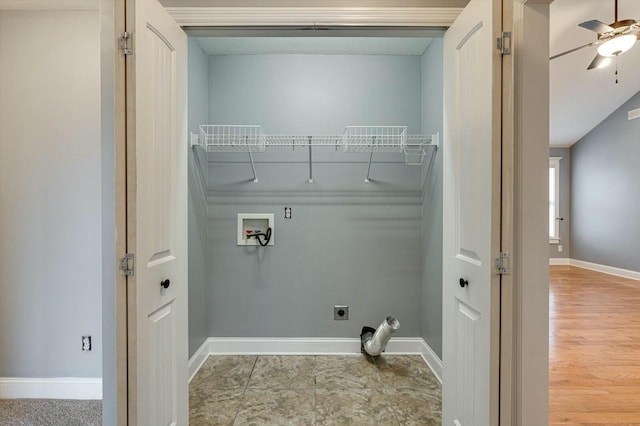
{"x": 617, "y": 45}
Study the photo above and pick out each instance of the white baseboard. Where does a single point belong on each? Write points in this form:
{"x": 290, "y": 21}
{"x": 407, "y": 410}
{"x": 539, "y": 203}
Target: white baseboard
{"x": 308, "y": 346}
{"x": 619, "y": 272}
{"x": 431, "y": 359}
{"x": 51, "y": 388}
{"x": 198, "y": 358}
{"x": 625, "y": 273}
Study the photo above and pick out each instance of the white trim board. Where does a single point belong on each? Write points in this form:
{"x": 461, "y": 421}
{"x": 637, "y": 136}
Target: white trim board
{"x": 624, "y": 273}
{"x": 51, "y": 388}
{"x": 45, "y": 5}
{"x": 198, "y": 358}
{"x": 438, "y": 17}
{"x": 611, "y": 270}
{"x": 308, "y": 346}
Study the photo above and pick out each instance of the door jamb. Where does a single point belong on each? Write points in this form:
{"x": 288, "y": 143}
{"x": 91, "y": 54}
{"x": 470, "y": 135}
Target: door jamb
{"x": 506, "y": 224}
{"x": 112, "y": 23}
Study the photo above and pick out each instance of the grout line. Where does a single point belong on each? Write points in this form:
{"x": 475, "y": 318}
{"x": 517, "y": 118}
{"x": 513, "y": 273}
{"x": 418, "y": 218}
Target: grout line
{"x": 252, "y": 370}
{"x": 315, "y": 389}
{"x": 244, "y": 392}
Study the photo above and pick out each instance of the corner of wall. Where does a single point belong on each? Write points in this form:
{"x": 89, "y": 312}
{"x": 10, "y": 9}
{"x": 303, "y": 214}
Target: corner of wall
{"x": 431, "y": 279}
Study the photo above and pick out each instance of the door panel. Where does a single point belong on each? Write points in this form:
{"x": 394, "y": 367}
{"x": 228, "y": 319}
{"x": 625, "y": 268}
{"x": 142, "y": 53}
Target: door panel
{"x": 160, "y": 164}
{"x": 470, "y": 109}
{"x": 157, "y": 216}
{"x": 466, "y": 336}
{"x": 471, "y": 217}
{"x": 163, "y": 364}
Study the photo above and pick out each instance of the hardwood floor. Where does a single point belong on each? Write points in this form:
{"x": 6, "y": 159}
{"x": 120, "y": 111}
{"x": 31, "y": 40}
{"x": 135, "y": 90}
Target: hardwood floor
{"x": 594, "y": 348}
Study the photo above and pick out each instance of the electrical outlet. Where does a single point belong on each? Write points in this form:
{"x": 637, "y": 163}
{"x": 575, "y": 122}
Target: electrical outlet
{"x": 559, "y": 248}
{"x": 340, "y": 312}
{"x": 86, "y": 343}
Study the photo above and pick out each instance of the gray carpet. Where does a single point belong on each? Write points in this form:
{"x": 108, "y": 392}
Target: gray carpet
{"x": 50, "y": 412}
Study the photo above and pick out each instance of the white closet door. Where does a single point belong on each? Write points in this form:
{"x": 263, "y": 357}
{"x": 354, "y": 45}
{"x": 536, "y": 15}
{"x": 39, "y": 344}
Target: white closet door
{"x": 471, "y": 216}
{"x": 157, "y": 217}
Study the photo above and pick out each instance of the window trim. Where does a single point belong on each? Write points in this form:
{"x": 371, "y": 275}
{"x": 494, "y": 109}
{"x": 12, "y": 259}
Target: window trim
{"x": 554, "y": 163}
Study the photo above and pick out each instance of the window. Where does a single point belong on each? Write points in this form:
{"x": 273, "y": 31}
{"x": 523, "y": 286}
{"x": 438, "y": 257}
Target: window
{"x": 554, "y": 199}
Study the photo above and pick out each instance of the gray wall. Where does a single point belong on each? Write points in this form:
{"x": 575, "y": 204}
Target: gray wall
{"x": 50, "y": 194}
{"x": 348, "y": 242}
{"x": 605, "y": 205}
{"x": 300, "y": 94}
{"x": 432, "y": 200}
{"x": 198, "y": 243}
{"x": 565, "y": 203}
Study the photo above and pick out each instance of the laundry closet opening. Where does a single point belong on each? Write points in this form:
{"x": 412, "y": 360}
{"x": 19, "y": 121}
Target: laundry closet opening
{"x": 331, "y": 142}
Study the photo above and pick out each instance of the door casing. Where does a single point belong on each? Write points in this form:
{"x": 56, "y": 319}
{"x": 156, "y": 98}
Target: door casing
{"x": 511, "y": 306}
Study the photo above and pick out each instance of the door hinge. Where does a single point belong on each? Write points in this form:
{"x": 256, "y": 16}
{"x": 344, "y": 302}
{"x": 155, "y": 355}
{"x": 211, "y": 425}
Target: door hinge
{"x": 126, "y": 264}
{"x": 502, "y": 263}
{"x": 504, "y": 43}
{"x": 125, "y": 43}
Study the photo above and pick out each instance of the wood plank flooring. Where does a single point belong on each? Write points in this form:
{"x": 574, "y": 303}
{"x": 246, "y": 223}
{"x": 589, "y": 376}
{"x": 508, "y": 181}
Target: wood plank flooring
{"x": 594, "y": 348}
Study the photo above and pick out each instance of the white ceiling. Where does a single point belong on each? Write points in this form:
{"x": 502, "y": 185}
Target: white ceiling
{"x": 581, "y": 99}
{"x": 314, "y": 45}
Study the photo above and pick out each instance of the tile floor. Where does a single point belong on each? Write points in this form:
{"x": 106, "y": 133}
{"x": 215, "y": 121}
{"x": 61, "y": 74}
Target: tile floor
{"x": 314, "y": 390}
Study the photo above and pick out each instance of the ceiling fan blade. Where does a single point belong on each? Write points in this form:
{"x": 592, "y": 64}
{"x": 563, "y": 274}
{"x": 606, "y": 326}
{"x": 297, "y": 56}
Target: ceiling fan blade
{"x": 599, "y": 61}
{"x": 573, "y": 50}
{"x": 597, "y": 26}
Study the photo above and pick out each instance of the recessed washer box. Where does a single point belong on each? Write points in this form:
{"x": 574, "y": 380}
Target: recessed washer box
{"x": 249, "y": 223}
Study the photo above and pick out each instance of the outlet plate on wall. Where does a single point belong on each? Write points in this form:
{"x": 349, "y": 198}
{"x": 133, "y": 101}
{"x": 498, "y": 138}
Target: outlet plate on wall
{"x": 340, "y": 312}
{"x": 86, "y": 343}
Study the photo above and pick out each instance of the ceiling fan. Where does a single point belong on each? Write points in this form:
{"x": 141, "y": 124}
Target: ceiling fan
{"x": 613, "y": 39}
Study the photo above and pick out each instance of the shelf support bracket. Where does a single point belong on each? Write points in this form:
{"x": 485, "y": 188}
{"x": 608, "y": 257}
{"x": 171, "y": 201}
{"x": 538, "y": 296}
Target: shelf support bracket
{"x": 195, "y": 139}
{"x": 253, "y": 168}
{"x": 366, "y": 180}
{"x": 310, "y": 161}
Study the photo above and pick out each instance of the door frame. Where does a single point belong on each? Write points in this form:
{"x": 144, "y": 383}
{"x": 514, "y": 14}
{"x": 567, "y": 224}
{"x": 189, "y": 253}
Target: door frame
{"x": 528, "y": 300}
{"x": 114, "y": 243}
{"x": 524, "y": 339}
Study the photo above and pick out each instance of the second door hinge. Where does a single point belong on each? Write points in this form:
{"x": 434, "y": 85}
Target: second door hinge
{"x": 125, "y": 43}
{"x": 504, "y": 43}
{"x": 502, "y": 263}
{"x": 127, "y": 265}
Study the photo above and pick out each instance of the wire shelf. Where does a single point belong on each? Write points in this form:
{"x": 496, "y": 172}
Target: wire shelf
{"x": 231, "y": 138}
{"x": 363, "y": 139}
{"x": 413, "y": 141}
{"x": 301, "y": 141}
{"x": 374, "y": 138}
{"x": 414, "y": 157}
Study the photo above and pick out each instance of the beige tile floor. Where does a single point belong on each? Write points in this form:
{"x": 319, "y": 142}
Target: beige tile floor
{"x": 314, "y": 390}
